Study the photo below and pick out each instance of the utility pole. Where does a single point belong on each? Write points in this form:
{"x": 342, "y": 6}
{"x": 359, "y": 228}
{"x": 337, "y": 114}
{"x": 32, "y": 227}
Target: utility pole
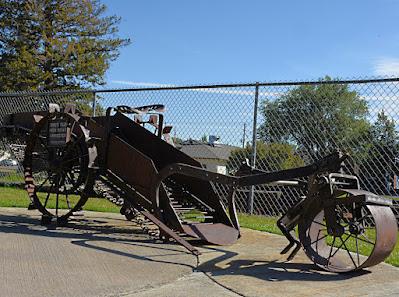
{"x": 243, "y": 135}
{"x": 253, "y": 153}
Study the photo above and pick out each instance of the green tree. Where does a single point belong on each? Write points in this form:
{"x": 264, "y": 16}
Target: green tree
{"x": 316, "y": 119}
{"x": 56, "y": 44}
{"x": 383, "y": 133}
{"x": 269, "y": 157}
{"x": 381, "y": 162}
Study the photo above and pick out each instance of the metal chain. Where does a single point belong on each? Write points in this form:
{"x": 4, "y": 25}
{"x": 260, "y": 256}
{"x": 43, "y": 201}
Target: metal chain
{"x": 112, "y": 193}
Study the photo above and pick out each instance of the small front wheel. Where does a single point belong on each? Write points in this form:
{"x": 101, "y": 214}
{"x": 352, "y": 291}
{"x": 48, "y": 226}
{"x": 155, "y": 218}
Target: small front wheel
{"x": 367, "y": 235}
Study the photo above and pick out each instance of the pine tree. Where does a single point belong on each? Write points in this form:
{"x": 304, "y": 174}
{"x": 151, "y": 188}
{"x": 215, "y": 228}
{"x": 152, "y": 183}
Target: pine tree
{"x": 381, "y": 162}
{"x": 56, "y": 44}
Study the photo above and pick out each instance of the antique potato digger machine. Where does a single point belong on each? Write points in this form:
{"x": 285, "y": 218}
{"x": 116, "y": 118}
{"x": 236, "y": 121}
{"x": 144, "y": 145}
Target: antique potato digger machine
{"x": 127, "y": 157}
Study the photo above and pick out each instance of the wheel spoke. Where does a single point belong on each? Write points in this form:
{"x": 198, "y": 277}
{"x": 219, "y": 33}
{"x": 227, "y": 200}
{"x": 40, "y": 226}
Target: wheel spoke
{"x": 75, "y": 158}
{"x": 48, "y": 195}
{"x": 357, "y": 250}
{"x": 350, "y": 255}
{"x": 71, "y": 179}
{"x": 42, "y": 184}
{"x": 67, "y": 201}
{"x": 368, "y": 239}
{"x": 318, "y": 239}
{"x": 331, "y": 249}
{"x": 67, "y": 177}
{"x": 364, "y": 240}
{"x": 369, "y": 228}
{"x": 342, "y": 243}
{"x": 43, "y": 144}
{"x": 319, "y": 223}
{"x": 363, "y": 217}
{"x": 39, "y": 156}
{"x": 68, "y": 148}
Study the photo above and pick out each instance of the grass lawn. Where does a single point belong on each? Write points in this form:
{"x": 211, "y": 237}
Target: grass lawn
{"x": 11, "y": 177}
{"x": 12, "y": 197}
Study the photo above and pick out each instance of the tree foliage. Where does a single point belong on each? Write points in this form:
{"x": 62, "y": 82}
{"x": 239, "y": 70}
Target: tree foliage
{"x": 383, "y": 150}
{"x": 269, "y": 157}
{"x": 55, "y": 44}
{"x": 315, "y": 118}
{"x": 383, "y": 133}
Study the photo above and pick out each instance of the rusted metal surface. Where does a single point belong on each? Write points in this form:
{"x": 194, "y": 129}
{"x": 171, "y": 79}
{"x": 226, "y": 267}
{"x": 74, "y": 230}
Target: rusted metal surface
{"x": 213, "y": 233}
{"x": 51, "y": 156}
{"x": 170, "y": 233}
{"x": 116, "y": 157}
{"x": 376, "y": 237}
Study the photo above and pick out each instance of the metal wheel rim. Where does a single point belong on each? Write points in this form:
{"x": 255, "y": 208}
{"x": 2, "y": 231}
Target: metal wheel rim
{"x": 314, "y": 241}
{"x": 30, "y": 185}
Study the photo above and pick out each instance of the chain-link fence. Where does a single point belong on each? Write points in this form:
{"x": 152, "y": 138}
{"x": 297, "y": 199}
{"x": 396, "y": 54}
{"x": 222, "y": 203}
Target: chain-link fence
{"x": 273, "y": 126}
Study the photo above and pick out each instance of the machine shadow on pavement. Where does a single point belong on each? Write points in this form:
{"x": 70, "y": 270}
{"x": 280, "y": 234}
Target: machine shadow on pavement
{"x": 85, "y": 232}
{"x": 278, "y": 270}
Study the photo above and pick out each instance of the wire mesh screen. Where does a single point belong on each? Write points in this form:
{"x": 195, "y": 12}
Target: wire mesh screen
{"x": 299, "y": 123}
{"x": 209, "y": 124}
{"x": 12, "y": 148}
{"x": 271, "y": 126}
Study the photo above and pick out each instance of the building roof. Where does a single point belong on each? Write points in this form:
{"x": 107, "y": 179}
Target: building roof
{"x": 202, "y": 150}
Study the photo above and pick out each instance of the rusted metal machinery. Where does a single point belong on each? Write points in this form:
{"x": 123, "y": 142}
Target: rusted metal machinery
{"x": 70, "y": 157}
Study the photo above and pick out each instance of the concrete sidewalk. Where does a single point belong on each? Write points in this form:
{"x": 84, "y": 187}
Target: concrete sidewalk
{"x": 254, "y": 267}
{"x": 104, "y": 255}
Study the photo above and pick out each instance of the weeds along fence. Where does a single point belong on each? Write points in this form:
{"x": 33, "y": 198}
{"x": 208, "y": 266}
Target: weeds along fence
{"x": 272, "y": 126}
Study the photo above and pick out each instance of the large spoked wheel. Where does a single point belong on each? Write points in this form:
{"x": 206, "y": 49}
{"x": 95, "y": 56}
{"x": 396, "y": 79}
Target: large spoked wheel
{"x": 56, "y": 163}
{"x": 366, "y": 236}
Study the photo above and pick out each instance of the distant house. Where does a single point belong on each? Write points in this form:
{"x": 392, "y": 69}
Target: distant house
{"x": 212, "y": 155}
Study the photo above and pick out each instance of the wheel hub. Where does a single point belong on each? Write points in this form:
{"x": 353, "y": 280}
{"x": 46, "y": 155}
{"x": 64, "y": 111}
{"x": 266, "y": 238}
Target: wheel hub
{"x": 355, "y": 228}
{"x": 336, "y": 231}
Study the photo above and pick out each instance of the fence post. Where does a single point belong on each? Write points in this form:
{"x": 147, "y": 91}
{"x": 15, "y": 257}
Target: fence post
{"x": 253, "y": 153}
{"x": 94, "y": 104}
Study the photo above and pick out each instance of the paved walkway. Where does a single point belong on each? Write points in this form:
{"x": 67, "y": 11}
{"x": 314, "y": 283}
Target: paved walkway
{"x": 104, "y": 255}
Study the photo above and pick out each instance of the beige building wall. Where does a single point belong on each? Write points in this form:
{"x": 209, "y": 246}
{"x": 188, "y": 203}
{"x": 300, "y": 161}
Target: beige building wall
{"x": 213, "y": 165}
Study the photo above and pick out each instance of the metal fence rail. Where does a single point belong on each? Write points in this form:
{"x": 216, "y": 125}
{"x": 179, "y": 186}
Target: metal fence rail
{"x": 274, "y": 126}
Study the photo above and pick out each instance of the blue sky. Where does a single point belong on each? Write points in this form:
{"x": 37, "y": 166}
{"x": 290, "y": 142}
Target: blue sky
{"x": 199, "y": 42}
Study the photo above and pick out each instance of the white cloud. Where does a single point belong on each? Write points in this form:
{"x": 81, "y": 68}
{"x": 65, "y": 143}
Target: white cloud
{"x": 140, "y": 84}
{"x": 386, "y": 66}
{"x": 231, "y": 91}
{"x": 380, "y": 97}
